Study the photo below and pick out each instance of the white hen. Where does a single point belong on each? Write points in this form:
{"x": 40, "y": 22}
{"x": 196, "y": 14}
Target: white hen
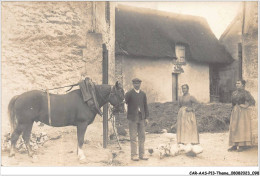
{"x": 175, "y": 150}
{"x": 197, "y": 149}
{"x": 167, "y": 135}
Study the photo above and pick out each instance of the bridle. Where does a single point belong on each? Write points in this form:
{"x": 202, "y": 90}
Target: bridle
{"x": 119, "y": 103}
{"x": 113, "y": 93}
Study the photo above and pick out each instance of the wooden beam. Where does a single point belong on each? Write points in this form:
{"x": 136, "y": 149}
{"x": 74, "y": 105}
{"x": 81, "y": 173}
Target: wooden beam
{"x": 240, "y": 60}
{"x": 105, "y": 107}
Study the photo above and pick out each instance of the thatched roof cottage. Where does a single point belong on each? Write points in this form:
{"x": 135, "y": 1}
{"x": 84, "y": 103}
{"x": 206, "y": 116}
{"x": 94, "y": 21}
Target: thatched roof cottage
{"x": 166, "y": 50}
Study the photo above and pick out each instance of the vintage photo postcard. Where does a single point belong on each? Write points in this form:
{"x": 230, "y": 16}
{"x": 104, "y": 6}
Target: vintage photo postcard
{"x": 103, "y": 83}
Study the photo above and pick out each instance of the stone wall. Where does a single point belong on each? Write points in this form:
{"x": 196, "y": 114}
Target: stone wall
{"x": 250, "y": 59}
{"x": 119, "y": 68}
{"x": 51, "y": 44}
{"x": 156, "y": 76}
{"x": 196, "y": 75}
{"x": 249, "y": 39}
{"x": 250, "y": 47}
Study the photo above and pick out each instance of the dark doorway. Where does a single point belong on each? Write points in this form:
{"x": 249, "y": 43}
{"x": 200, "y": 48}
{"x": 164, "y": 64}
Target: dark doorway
{"x": 174, "y": 87}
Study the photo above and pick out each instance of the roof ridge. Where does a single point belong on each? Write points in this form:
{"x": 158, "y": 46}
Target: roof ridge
{"x": 158, "y": 12}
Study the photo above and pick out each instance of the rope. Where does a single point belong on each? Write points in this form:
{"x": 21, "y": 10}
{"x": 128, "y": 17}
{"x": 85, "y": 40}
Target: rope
{"x": 112, "y": 117}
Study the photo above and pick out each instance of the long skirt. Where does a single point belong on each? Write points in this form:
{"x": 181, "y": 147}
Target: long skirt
{"x": 240, "y": 127}
{"x": 187, "y": 131}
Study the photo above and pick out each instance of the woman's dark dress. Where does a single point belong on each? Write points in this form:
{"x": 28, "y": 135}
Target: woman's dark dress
{"x": 240, "y": 122}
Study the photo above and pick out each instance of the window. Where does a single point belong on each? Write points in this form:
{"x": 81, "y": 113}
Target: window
{"x": 180, "y": 53}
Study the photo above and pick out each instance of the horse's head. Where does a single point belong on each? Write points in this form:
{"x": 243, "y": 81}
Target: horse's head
{"x": 116, "y": 97}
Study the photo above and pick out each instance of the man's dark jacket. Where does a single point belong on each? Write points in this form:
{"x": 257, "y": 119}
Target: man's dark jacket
{"x": 135, "y": 100}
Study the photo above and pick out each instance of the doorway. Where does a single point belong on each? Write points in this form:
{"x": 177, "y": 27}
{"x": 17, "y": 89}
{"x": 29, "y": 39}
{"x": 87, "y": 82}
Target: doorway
{"x": 174, "y": 87}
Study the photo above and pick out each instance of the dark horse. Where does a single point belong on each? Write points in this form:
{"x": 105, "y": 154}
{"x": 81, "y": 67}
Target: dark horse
{"x": 66, "y": 110}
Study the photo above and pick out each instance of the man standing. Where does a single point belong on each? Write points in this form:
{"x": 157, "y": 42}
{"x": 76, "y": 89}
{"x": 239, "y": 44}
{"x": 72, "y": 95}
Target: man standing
{"x": 137, "y": 115}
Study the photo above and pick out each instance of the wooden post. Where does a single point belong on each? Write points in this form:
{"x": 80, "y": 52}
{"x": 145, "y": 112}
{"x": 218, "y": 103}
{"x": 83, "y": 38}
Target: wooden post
{"x": 105, "y": 107}
{"x": 240, "y": 60}
{"x": 240, "y": 45}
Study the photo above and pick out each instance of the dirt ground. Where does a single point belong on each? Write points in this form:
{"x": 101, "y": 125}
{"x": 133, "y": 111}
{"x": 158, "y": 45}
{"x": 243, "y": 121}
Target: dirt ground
{"x": 62, "y": 151}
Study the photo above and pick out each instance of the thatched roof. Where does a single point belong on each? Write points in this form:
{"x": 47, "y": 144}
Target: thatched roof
{"x": 152, "y": 33}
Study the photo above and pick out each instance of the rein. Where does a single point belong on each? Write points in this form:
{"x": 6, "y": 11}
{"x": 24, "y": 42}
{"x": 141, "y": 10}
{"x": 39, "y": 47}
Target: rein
{"x": 113, "y": 119}
{"x": 71, "y": 86}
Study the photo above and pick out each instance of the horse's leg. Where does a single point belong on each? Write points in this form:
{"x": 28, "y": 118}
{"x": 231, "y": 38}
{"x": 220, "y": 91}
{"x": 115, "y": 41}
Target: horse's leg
{"x": 14, "y": 137}
{"x": 81, "y": 129}
{"x": 26, "y": 137}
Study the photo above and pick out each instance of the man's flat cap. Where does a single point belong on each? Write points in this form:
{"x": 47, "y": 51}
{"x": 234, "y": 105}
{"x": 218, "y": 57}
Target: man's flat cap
{"x": 136, "y": 80}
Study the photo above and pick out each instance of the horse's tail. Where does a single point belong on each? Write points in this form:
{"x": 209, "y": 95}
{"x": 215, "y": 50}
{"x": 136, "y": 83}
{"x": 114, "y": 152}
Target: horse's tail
{"x": 11, "y": 113}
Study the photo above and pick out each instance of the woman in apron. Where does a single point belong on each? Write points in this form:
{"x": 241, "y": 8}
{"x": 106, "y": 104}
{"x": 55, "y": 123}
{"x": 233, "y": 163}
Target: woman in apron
{"x": 240, "y": 136}
{"x": 187, "y": 132}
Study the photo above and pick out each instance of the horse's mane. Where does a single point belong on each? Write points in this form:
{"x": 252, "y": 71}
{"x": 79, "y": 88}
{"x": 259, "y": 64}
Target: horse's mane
{"x": 102, "y": 90}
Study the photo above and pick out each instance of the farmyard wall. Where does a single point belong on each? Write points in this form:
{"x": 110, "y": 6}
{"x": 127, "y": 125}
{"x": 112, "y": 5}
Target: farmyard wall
{"x": 50, "y": 44}
{"x": 249, "y": 41}
{"x": 250, "y": 60}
